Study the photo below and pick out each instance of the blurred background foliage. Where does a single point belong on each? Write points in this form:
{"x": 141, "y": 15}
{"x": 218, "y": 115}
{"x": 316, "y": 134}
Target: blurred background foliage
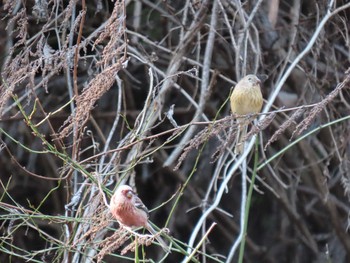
{"x": 99, "y": 93}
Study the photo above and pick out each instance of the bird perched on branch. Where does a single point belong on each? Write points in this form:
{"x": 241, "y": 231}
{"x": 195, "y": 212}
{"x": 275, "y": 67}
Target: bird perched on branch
{"x": 129, "y": 210}
{"x": 246, "y": 99}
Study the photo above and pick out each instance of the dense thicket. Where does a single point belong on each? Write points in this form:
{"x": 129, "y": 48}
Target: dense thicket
{"x": 100, "y": 93}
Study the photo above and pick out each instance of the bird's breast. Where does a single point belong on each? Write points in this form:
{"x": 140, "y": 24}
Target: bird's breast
{"x": 130, "y": 216}
{"x": 246, "y": 100}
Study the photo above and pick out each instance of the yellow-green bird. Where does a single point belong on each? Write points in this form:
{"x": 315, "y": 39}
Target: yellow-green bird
{"x": 245, "y": 99}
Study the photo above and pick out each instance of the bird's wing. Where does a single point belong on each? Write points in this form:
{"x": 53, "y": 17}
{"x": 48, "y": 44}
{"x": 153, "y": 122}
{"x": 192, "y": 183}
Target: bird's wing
{"x": 140, "y": 205}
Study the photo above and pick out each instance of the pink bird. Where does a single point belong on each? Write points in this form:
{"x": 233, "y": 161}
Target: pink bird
{"x": 129, "y": 210}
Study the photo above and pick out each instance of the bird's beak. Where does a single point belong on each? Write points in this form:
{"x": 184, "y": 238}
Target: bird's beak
{"x": 262, "y": 78}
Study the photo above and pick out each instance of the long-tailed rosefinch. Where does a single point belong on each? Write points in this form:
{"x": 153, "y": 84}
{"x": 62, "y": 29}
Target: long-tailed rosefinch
{"x": 246, "y": 99}
{"x": 129, "y": 210}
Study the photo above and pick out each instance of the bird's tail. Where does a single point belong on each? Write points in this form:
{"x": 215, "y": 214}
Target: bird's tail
{"x": 241, "y": 137}
{"x": 159, "y": 239}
